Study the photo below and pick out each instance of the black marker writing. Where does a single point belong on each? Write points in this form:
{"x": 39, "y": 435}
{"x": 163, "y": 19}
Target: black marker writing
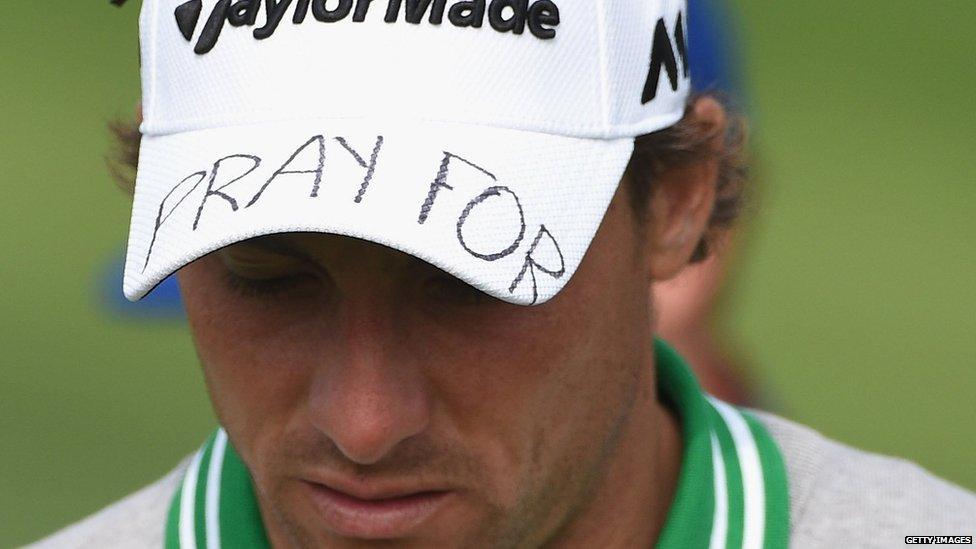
{"x": 211, "y": 191}
{"x": 370, "y": 168}
{"x": 228, "y": 171}
{"x": 282, "y": 170}
{"x": 530, "y": 264}
{"x": 160, "y": 218}
{"x": 440, "y": 181}
{"x": 488, "y": 193}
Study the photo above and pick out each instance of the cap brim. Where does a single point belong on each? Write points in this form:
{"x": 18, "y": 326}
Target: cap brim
{"x": 509, "y": 212}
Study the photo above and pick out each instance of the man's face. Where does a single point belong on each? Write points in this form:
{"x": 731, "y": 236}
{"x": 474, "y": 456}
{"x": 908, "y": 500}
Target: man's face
{"x": 373, "y": 396}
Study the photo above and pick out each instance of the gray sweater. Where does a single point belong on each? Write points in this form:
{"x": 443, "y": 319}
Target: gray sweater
{"x": 839, "y": 497}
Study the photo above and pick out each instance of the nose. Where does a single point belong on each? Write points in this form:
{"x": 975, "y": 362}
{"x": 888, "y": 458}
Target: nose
{"x": 370, "y": 398}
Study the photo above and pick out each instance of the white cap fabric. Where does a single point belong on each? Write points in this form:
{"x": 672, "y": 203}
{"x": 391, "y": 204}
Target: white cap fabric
{"x": 485, "y": 137}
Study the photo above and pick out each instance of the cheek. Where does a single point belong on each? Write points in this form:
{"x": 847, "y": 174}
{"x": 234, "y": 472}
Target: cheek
{"x": 541, "y": 416}
{"x": 532, "y": 395}
{"x": 540, "y": 392}
{"x": 254, "y": 358}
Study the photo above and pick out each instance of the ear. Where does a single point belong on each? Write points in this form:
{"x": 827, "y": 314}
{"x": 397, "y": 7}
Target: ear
{"x": 683, "y": 198}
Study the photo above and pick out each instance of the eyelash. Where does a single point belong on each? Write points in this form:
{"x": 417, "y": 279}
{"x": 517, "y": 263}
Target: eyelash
{"x": 257, "y": 288}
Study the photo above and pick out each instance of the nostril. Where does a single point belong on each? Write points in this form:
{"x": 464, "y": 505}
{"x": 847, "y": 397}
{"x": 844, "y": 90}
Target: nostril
{"x": 367, "y": 410}
{"x": 366, "y": 436}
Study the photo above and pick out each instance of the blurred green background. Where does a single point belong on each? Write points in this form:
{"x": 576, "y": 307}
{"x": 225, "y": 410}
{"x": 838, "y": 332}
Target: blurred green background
{"x": 854, "y": 296}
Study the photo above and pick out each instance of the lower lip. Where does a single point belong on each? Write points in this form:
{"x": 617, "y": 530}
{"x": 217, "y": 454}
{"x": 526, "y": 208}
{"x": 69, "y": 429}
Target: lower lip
{"x": 374, "y": 519}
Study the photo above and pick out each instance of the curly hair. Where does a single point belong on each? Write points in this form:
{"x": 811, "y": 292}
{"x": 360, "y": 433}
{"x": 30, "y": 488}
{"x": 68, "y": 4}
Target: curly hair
{"x": 124, "y": 157}
{"x": 689, "y": 142}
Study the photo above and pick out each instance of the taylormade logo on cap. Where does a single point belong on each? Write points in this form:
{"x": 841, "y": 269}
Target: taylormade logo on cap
{"x": 541, "y": 16}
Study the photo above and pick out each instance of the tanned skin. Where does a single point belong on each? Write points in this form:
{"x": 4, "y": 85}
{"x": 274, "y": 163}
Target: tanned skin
{"x": 334, "y": 359}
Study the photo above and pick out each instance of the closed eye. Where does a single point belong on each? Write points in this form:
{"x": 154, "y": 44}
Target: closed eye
{"x": 265, "y": 287}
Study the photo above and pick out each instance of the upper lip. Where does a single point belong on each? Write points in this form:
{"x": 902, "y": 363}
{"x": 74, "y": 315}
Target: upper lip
{"x": 374, "y": 490}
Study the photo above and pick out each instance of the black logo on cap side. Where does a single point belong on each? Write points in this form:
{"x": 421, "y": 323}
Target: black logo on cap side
{"x": 187, "y": 16}
{"x": 541, "y": 17}
{"x": 663, "y": 57}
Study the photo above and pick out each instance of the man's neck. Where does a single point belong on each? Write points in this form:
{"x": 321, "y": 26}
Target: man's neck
{"x": 630, "y": 505}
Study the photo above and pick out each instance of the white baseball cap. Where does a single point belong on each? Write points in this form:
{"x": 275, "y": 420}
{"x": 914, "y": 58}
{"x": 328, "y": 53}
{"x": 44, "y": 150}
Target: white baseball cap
{"x": 484, "y": 137}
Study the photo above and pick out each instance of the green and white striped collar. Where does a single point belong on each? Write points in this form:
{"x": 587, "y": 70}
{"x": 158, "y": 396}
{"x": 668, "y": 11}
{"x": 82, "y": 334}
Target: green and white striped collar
{"x": 215, "y": 505}
{"x": 732, "y": 488}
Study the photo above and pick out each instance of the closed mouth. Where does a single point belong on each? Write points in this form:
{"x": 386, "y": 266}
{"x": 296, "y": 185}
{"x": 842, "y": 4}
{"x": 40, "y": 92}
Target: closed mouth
{"x": 376, "y": 514}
